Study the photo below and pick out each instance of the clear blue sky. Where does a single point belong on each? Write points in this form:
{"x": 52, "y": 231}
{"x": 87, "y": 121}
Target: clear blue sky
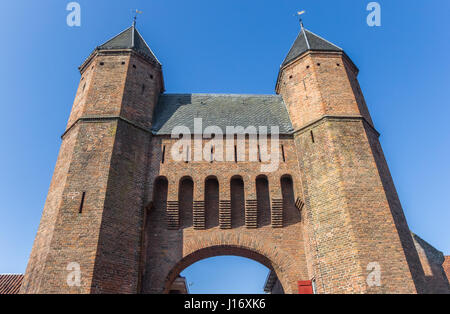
{"x": 229, "y": 46}
{"x": 226, "y": 274}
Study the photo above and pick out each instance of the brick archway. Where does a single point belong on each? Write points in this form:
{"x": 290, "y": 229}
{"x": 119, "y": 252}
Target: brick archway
{"x": 263, "y": 252}
{"x": 172, "y": 243}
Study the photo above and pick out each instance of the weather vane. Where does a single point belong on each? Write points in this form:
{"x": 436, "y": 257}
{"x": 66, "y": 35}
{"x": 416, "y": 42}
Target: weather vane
{"x": 135, "y": 16}
{"x": 299, "y": 14}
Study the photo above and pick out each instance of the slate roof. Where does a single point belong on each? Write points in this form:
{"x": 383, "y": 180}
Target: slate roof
{"x": 220, "y": 110}
{"x": 130, "y": 39}
{"x": 306, "y": 41}
{"x": 10, "y": 284}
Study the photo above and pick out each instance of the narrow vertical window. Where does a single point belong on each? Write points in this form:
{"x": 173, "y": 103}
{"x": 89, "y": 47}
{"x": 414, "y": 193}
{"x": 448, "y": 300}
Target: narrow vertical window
{"x": 212, "y": 154}
{"x": 235, "y": 154}
{"x": 312, "y": 137}
{"x": 188, "y": 153}
{"x": 163, "y": 154}
{"x": 80, "y": 210}
{"x": 259, "y": 154}
{"x": 282, "y": 152}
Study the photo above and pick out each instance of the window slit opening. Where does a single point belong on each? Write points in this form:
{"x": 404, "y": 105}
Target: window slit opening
{"x": 212, "y": 154}
{"x": 188, "y": 153}
{"x": 80, "y": 210}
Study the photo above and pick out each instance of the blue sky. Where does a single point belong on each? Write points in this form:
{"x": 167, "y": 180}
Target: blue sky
{"x": 225, "y": 274}
{"x": 226, "y": 46}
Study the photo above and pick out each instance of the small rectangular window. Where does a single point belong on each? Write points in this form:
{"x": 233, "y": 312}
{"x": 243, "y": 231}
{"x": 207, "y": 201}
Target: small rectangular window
{"x": 282, "y": 153}
{"x": 163, "y": 154}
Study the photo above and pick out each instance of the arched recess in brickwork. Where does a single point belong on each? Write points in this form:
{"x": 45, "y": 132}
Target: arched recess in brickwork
{"x": 237, "y": 192}
{"x": 212, "y": 202}
{"x": 263, "y": 197}
{"x": 185, "y": 198}
{"x": 275, "y": 260}
{"x": 291, "y": 214}
{"x": 159, "y": 205}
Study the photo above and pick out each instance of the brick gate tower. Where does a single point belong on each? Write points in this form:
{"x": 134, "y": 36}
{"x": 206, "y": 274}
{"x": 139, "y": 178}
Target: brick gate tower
{"x": 130, "y": 217}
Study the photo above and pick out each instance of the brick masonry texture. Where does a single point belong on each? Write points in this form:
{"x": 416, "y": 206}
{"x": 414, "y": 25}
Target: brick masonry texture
{"x": 133, "y": 218}
{"x": 10, "y": 284}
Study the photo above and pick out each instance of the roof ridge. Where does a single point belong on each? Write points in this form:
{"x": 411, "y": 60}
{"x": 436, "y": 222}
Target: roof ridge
{"x": 145, "y": 42}
{"x": 323, "y": 39}
{"x": 306, "y": 37}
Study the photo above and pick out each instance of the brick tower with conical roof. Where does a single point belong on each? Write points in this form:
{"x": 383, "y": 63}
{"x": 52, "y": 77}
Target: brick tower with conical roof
{"x": 104, "y": 148}
{"x": 354, "y": 221}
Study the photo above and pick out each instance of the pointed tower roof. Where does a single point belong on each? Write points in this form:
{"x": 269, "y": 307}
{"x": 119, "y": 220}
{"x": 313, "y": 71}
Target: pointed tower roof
{"x": 130, "y": 39}
{"x": 307, "y": 41}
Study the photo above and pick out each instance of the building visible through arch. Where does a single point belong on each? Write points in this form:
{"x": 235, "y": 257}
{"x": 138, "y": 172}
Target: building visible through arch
{"x": 327, "y": 212}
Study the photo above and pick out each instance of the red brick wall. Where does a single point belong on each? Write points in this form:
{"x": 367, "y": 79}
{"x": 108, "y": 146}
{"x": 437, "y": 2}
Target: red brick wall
{"x": 321, "y": 84}
{"x": 117, "y": 83}
{"x": 170, "y": 251}
{"x": 10, "y": 284}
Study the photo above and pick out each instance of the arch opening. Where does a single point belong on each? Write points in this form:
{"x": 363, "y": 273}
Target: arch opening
{"x": 212, "y": 202}
{"x": 263, "y": 200}
{"x": 237, "y": 192}
{"x": 160, "y": 192}
{"x": 224, "y": 275}
{"x": 291, "y": 215}
{"x": 186, "y": 198}
{"x": 222, "y": 252}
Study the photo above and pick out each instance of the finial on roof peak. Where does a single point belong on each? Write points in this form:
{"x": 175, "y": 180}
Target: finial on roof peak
{"x": 299, "y": 14}
{"x": 135, "y": 17}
